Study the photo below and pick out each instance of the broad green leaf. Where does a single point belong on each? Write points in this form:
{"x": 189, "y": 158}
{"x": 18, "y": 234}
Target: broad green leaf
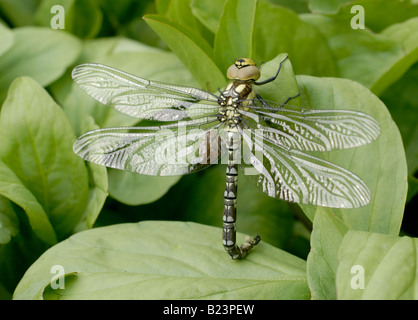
{"x": 374, "y": 60}
{"x": 380, "y": 164}
{"x": 162, "y": 6}
{"x": 40, "y": 53}
{"x": 377, "y": 266}
{"x": 208, "y": 12}
{"x": 284, "y": 86}
{"x": 9, "y": 224}
{"x": 406, "y": 35}
{"x": 124, "y": 11}
{"x": 299, "y": 6}
{"x": 19, "y": 13}
{"x": 393, "y": 11}
{"x": 162, "y": 260}
{"x": 277, "y": 29}
{"x": 135, "y": 189}
{"x": 401, "y": 101}
{"x": 234, "y": 36}
{"x": 98, "y": 191}
{"x": 82, "y": 18}
{"x": 191, "y": 49}
{"x": 181, "y": 13}
{"x": 12, "y": 188}
{"x": 44, "y": 177}
{"x": 328, "y": 232}
{"x": 325, "y": 6}
{"x": 6, "y": 39}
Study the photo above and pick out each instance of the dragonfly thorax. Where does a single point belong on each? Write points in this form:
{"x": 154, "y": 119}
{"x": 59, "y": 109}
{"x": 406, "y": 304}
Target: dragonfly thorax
{"x": 234, "y": 98}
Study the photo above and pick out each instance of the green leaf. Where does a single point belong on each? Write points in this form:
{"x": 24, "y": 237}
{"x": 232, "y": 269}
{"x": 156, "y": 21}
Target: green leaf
{"x": 242, "y": 32}
{"x": 325, "y": 6}
{"x": 328, "y": 232}
{"x": 6, "y": 39}
{"x": 377, "y": 266}
{"x": 98, "y": 190}
{"x": 401, "y": 101}
{"x": 181, "y": 13}
{"x": 162, "y": 6}
{"x": 12, "y": 188}
{"x": 40, "y": 53}
{"x": 135, "y": 189}
{"x": 277, "y": 29}
{"x": 299, "y": 6}
{"x": 380, "y": 164}
{"x": 208, "y": 12}
{"x": 82, "y": 18}
{"x": 405, "y": 34}
{"x": 9, "y": 224}
{"x": 235, "y": 33}
{"x": 195, "y": 53}
{"x": 284, "y": 86}
{"x": 393, "y": 11}
{"x": 162, "y": 260}
{"x": 19, "y": 13}
{"x": 374, "y": 60}
{"x": 41, "y": 173}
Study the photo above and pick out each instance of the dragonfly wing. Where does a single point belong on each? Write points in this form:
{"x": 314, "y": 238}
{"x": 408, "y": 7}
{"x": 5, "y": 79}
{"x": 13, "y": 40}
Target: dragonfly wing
{"x": 156, "y": 151}
{"x": 141, "y": 98}
{"x": 317, "y": 130}
{"x": 294, "y": 176}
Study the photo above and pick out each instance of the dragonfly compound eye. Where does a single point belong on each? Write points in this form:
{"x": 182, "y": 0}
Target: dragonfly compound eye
{"x": 243, "y": 69}
{"x": 232, "y": 72}
{"x": 249, "y": 73}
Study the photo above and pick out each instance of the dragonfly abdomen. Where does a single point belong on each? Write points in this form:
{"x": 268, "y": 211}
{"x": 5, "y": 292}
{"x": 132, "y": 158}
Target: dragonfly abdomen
{"x": 230, "y": 211}
{"x": 233, "y": 142}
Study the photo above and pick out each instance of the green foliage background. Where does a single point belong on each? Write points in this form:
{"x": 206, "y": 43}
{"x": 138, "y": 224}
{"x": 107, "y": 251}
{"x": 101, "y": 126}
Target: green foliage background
{"x": 55, "y": 209}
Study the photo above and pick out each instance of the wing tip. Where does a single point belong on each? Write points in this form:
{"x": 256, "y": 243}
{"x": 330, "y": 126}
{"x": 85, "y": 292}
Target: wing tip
{"x": 81, "y": 68}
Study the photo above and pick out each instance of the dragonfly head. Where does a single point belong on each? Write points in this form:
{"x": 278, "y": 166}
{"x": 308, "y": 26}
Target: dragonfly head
{"x": 243, "y": 69}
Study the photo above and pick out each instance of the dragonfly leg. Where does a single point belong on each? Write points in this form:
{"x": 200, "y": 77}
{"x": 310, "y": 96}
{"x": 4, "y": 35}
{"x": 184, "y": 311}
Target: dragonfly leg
{"x": 274, "y": 77}
{"x": 267, "y": 106}
{"x": 288, "y": 99}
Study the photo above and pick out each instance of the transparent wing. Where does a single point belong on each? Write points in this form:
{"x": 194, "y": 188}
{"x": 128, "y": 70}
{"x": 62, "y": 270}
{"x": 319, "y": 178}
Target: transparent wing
{"x": 158, "y": 151}
{"x": 314, "y": 130}
{"x": 141, "y": 98}
{"x": 294, "y": 176}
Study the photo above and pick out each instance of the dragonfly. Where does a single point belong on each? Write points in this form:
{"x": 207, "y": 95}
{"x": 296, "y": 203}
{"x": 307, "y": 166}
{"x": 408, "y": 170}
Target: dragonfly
{"x": 270, "y": 141}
